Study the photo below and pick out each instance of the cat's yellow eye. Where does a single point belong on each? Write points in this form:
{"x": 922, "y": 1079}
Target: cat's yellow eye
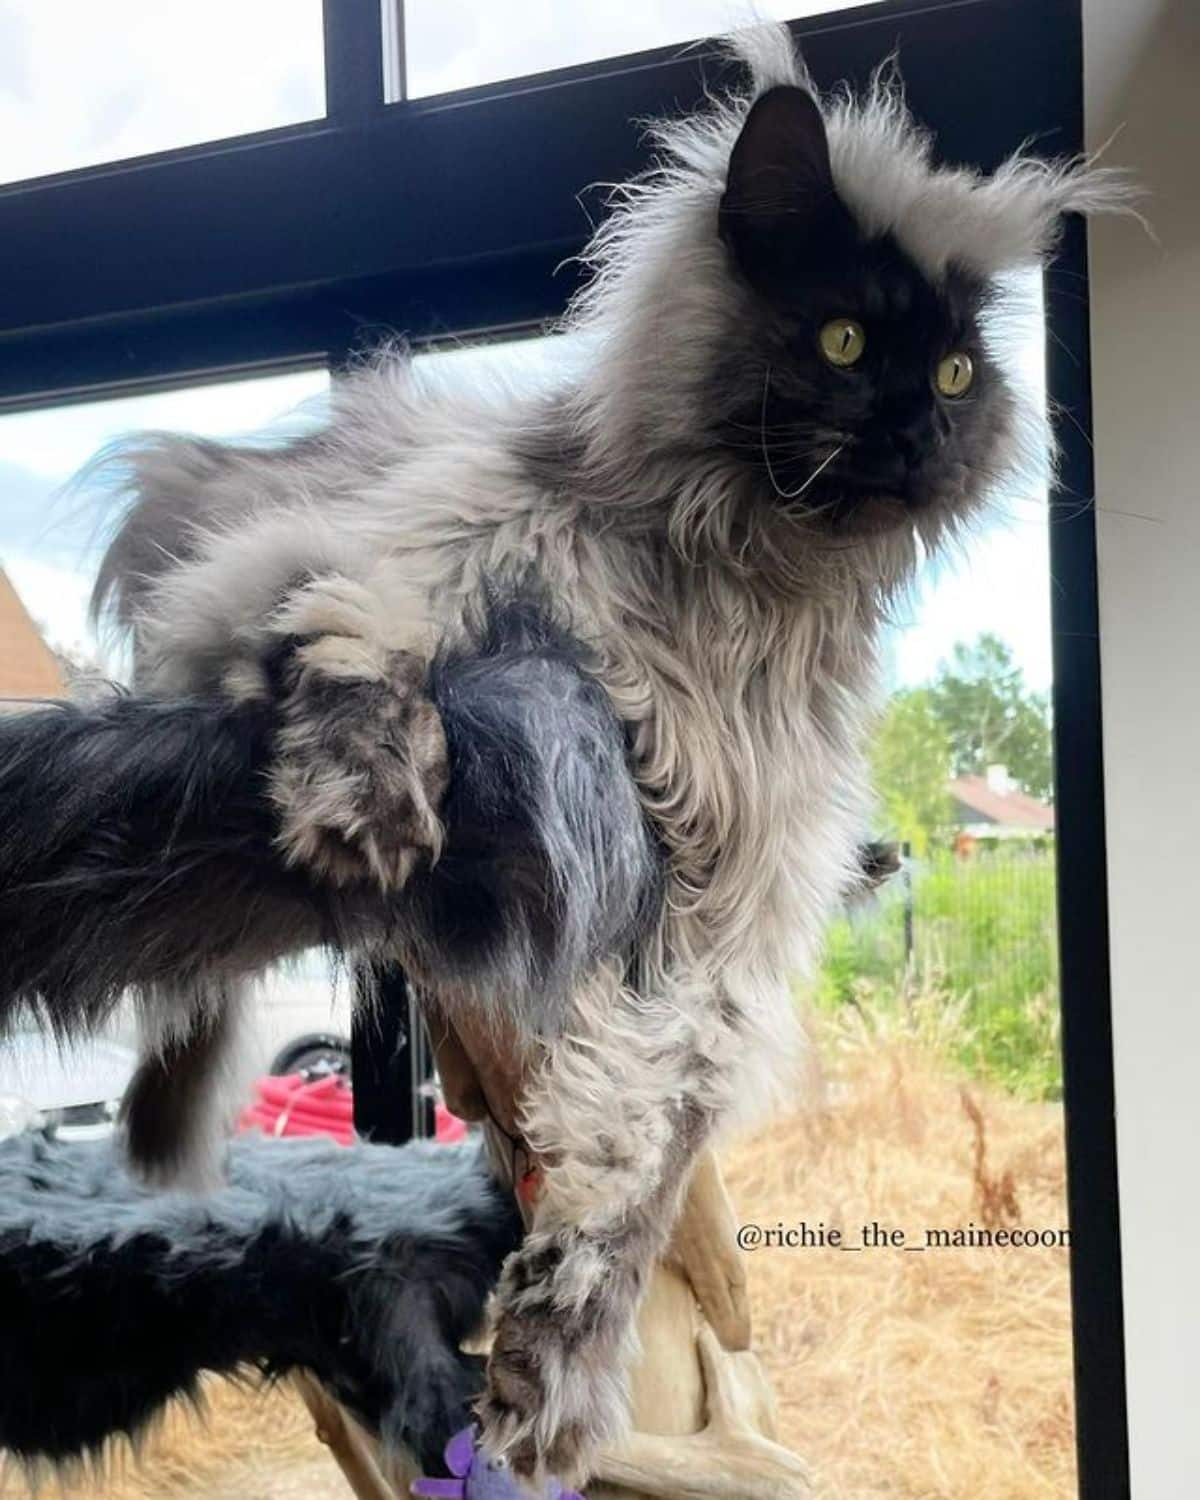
{"x": 955, "y": 374}
{"x": 842, "y": 342}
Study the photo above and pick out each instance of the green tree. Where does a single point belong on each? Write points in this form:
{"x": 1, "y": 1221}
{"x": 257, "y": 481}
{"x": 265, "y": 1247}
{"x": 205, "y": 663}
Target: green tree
{"x": 911, "y": 768}
{"x": 991, "y": 717}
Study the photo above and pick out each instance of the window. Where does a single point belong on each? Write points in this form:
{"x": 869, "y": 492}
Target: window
{"x": 174, "y": 74}
{"x": 469, "y": 42}
{"x": 455, "y": 218}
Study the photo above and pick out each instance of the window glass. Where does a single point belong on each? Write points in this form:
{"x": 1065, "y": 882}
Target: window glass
{"x": 456, "y": 44}
{"x": 82, "y": 84}
{"x": 51, "y": 534}
{"x": 934, "y": 1112}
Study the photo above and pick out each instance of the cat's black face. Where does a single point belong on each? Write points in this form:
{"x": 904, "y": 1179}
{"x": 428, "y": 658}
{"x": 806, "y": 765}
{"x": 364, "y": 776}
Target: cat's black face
{"x": 860, "y": 391}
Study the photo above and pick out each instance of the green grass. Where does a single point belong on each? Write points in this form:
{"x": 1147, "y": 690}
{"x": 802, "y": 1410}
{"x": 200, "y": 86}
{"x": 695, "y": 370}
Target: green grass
{"x": 984, "y": 952}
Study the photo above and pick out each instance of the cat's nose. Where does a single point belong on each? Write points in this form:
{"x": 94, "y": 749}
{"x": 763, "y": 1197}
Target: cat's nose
{"x": 882, "y": 466}
{"x": 898, "y": 450}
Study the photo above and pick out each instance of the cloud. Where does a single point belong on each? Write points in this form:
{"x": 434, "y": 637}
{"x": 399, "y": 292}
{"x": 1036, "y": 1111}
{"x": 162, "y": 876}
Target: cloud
{"x": 1000, "y": 584}
{"x": 50, "y": 533}
{"x": 54, "y": 442}
{"x": 456, "y": 44}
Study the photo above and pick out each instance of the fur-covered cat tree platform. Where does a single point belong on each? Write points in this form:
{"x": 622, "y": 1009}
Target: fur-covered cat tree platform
{"x": 366, "y": 1267}
{"x": 361, "y": 1272}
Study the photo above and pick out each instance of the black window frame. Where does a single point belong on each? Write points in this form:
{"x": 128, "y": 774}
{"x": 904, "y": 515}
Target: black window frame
{"x": 299, "y": 246}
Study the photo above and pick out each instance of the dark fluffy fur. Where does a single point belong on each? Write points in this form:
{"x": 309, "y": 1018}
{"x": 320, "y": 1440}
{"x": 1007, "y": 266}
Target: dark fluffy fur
{"x": 900, "y": 445}
{"x": 138, "y": 851}
{"x": 367, "y": 1266}
{"x": 549, "y": 864}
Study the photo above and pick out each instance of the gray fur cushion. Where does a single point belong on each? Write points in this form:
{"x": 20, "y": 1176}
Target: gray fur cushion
{"x": 366, "y": 1265}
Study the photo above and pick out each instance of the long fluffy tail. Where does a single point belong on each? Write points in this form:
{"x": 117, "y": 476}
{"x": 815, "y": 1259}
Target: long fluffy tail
{"x": 136, "y": 849}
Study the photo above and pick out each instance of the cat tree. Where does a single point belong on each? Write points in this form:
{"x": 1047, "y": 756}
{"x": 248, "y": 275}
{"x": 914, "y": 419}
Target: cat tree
{"x": 704, "y": 1421}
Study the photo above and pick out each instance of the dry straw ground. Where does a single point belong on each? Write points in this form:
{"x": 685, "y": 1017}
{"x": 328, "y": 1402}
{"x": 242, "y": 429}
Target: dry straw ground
{"x": 934, "y": 1376}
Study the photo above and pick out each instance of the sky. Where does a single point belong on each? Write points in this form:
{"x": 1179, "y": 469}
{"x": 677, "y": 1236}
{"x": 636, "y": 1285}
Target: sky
{"x": 90, "y": 81}
{"x": 51, "y": 531}
{"x": 454, "y": 44}
{"x": 176, "y": 73}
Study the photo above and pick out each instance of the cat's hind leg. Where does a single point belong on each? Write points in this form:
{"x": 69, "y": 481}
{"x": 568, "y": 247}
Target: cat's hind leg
{"x": 180, "y": 1103}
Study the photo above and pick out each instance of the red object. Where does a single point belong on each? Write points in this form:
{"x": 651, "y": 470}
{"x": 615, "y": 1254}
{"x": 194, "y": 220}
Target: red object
{"x": 447, "y": 1128}
{"x": 294, "y": 1106}
{"x": 529, "y": 1186}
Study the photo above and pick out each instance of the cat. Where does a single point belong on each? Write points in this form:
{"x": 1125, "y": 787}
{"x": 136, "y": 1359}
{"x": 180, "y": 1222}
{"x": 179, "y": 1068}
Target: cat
{"x": 793, "y": 391}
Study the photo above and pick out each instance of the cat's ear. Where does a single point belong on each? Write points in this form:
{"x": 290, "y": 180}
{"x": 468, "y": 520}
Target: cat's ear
{"x": 779, "y": 193}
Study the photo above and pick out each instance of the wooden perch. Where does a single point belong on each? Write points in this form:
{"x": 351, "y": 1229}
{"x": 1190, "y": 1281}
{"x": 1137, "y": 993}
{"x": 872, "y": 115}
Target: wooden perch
{"x": 704, "y": 1423}
{"x": 703, "y": 1412}
{"x": 729, "y": 1458}
{"x": 704, "y": 1247}
{"x": 352, "y": 1449}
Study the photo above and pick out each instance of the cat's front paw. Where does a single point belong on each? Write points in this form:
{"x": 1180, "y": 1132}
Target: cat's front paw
{"x": 556, "y": 1388}
{"x": 361, "y": 765}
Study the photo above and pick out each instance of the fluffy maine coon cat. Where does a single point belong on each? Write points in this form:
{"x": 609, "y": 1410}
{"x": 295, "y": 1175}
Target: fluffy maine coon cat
{"x": 791, "y": 396}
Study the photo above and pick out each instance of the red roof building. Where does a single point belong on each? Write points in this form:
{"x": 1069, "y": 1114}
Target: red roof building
{"x": 992, "y": 806}
{"x": 28, "y": 667}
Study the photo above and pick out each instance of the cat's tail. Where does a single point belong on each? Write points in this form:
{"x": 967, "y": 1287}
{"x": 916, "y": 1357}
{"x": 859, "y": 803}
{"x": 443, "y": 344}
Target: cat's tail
{"x": 138, "y": 859}
{"x": 136, "y": 849}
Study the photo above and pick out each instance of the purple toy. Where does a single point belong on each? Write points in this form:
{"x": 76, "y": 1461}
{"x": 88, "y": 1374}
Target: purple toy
{"x": 479, "y": 1478}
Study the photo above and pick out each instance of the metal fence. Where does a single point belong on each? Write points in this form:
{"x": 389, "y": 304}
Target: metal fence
{"x": 982, "y": 926}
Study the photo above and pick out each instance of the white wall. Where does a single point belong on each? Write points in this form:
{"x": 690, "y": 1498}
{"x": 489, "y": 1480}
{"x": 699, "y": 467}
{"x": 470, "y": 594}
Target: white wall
{"x": 1142, "y": 72}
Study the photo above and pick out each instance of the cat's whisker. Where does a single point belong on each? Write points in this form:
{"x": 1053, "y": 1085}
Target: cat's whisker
{"x": 786, "y": 449}
{"x": 766, "y": 451}
{"x": 816, "y": 473}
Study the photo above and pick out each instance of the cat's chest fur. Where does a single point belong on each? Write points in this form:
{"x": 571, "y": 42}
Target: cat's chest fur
{"x": 746, "y": 728}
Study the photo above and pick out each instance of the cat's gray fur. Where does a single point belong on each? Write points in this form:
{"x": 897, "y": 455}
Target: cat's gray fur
{"x": 735, "y": 632}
